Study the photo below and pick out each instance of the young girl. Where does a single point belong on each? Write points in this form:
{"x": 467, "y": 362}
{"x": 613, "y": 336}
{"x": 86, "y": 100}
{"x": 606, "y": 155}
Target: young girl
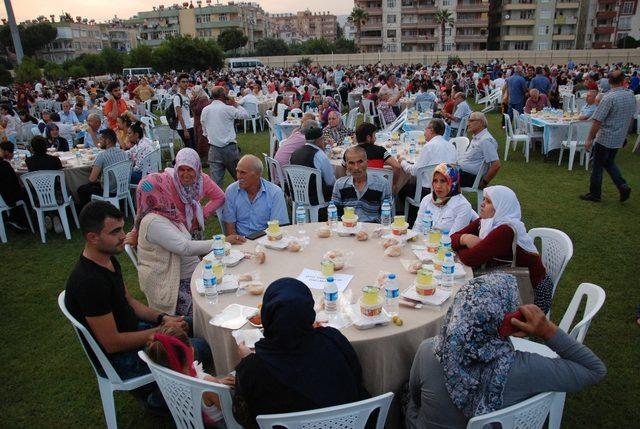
{"x": 171, "y": 348}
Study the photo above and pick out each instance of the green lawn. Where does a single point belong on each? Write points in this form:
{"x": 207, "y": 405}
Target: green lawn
{"x": 47, "y": 380}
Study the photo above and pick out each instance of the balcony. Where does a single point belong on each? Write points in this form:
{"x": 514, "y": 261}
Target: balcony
{"x": 519, "y": 6}
{"x": 607, "y": 1}
{"x": 420, "y": 8}
{"x": 567, "y": 37}
{"x": 473, "y": 22}
{"x": 474, "y": 38}
{"x": 374, "y": 10}
{"x": 519, "y": 22}
{"x": 419, "y": 24}
{"x": 419, "y": 39}
{"x": 371, "y": 41}
{"x": 604, "y": 30}
{"x": 568, "y": 5}
{"x": 472, "y": 6}
{"x": 570, "y": 20}
{"x": 602, "y": 45}
{"x": 606, "y": 14}
{"x": 372, "y": 26}
{"x": 517, "y": 37}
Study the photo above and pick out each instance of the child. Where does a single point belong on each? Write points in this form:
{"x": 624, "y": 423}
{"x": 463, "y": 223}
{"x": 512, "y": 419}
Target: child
{"x": 171, "y": 348}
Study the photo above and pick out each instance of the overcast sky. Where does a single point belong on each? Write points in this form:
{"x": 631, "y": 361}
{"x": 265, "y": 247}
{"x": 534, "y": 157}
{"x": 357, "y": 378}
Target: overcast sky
{"x": 102, "y": 10}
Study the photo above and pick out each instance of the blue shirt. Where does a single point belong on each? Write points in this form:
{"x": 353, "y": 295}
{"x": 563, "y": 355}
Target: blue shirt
{"x": 82, "y": 117}
{"x": 68, "y": 118}
{"x": 588, "y": 110}
{"x": 634, "y": 82}
{"x": 517, "y": 87}
{"x": 541, "y": 83}
{"x": 252, "y": 216}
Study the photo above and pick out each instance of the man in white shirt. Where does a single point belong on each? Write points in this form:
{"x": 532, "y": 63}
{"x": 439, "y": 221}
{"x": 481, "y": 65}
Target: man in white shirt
{"x": 218, "y": 125}
{"x": 499, "y": 81}
{"x": 462, "y": 110}
{"x": 139, "y": 152}
{"x": 181, "y": 103}
{"x": 248, "y": 97}
{"x": 483, "y": 150}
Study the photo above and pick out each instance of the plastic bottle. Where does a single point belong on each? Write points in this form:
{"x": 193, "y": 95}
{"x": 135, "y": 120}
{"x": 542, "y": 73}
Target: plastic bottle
{"x": 332, "y": 214}
{"x": 218, "y": 247}
{"x": 301, "y": 217}
{"x": 448, "y": 266}
{"x": 209, "y": 282}
{"x": 330, "y": 297}
{"x": 412, "y": 150}
{"x": 445, "y": 241}
{"x": 392, "y": 294}
{"x": 427, "y": 223}
{"x": 327, "y": 150}
{"x": 394, "y": 150}
{"x": 385, "y": 214}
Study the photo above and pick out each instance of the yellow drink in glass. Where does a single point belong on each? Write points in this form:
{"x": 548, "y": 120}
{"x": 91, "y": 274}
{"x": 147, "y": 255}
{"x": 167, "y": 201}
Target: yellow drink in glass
{"x": 425, "y": 277}
{"x": 349, "y": 212}
{"x": 326, "y": 267}
{"x": 218, "y": 271}
{"x": 273, "y": 226}
{"x": 370, "y": 295}
{"x": 434, "y": 240}
{"x": 398, "y": 221}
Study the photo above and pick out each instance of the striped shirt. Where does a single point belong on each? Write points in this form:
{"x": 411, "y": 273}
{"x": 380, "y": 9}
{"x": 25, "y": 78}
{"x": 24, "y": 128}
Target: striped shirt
{"x": 615, "y": 113}
{"x": 368, "y": 201}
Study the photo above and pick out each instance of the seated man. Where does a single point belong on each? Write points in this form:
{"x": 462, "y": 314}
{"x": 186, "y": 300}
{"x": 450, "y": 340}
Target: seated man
{"x": 483, "y": 148}
{"x": 295, "y": 141}
{"x": 312, "y": 155}
{"x": 592, "y": 104}
{"x": 461, "y": 110}
{"x": 10, "y": 188}
{"x": 359, "y": 189}
{"x": 424, "y": 96}
{"x": 251, "y": 202}
{"x": 67, "y": 116}
{"x": 94, "y": 127}
{"x": 80, "y": 111}
{"x": 139, "y": 151}
{"x": 536, "y": 101}
{"x": 97, "y": 297}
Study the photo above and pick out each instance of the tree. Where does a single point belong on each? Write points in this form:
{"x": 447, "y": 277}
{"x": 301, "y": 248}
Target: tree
{"x": 94, "y": 64}
{"x": 113, "y": 60}
{"x": 305, "y": 61}
{"x": 28, "y": 71}
{"x": 5, "y": 76}
{"x": 270, "y": 46}
{"x": 339, "y": 31}
{"x": 627, "y": 42}
{"x": 53, "y": 71}
{"x": 232, "y": 39}
{"x": 318, "y": 46}
{"x": 444, "y": 18}
{"x": 34, "y": 37}
{"x": 187, "y": 53}
{"x": 77, "y": 71}
{"x": 344, "y": 46}
{"x": 358, "y": 18}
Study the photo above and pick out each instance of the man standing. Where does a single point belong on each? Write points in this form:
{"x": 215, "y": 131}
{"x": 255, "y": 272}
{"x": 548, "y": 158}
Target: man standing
{"x": 115, "y": 105}
{"x": 359, "y": 189}
{"x": 608, "y": 133}
{"x": 180, "y": 104}
{"x": 218, "y": 126}
{"x": 251, "y": 202}
{"x": 483, "y": 150}
{"x": 540, "y": 82}
{"x": 517, "y": 88}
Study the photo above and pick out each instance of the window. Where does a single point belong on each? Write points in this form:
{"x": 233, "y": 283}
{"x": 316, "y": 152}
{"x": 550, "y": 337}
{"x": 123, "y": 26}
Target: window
{"x": 391, "y": 33}
{"x": 542, "y": 30}
{"x": 391, "y": 19}
{"x": 223, "y": 17}
{"x": 447, "y": 31}
{"x": 622, "y": 35}
{"x": 545, "y": 14}
{"x": 446, "y": 2}
{"x": 527, "y": 14}
{"x": 391, "y": 48}
{"x": 447, "y": 46}
{"x": 627, "y": 7}
{"x": 624, "y": 23}
{"x": 391, "y": 3}
{"x": 543, "y": 46}
{"x": 521, "y": 46}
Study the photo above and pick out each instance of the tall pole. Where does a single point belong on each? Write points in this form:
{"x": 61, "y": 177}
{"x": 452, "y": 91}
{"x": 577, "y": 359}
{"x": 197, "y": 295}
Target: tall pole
{"x": 15, "y": 34}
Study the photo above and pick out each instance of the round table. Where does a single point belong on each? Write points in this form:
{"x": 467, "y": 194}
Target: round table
{"x": 385, "y": 352}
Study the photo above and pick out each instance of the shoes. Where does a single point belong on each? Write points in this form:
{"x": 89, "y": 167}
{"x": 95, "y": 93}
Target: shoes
{"x": 47, "y": 223}
{"x": 16, "y": 226}
{"x": 625, "y": 192}
{"x": 57, "y": 225}
{"x": 590, "y": 197}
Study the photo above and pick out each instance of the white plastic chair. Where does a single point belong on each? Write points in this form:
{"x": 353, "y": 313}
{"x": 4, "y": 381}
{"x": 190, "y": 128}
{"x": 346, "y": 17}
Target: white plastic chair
{"x": 421, "y": 173}
{"x": 299, "y": 180}
{"x": 149, "y": 125}
{"x": 557, "y": 251}
{"x": 296, "y": 113}
{"x": 528, "y": 414}
{"x": 111, "y": 381}
{"x": 252, "y": 110}
{"x": 183, "y": 395}
{"x": 424, "y": 106}
{"x": 370, "y": 112}
{"x": 462, "y": 128}
{"x": 385, "y": 173}
{"x": 352, "y": 118}
{"x": 513, "y": 139}
{"x": 166, "y": 136}
{"x": 530, "y": 130}
{"x": 132, "y": 254}
{"x": 595, "y": 300}
{"x": 476, "y": 184}
{"x": 579, "y": 104}
{"x": 121, "y": 173}
{"x": 461, "y": 144}
{"x": 383, "y": 121}
{"x": 276, "y": 175}
{"x": 576, "y": 138}
{"x": 44, "y": 184}
{"x": 273, "y": 138}
{"x": 4, "y": 207}
{"x": 219, "y": 212}
{"x": 347, "y": 416}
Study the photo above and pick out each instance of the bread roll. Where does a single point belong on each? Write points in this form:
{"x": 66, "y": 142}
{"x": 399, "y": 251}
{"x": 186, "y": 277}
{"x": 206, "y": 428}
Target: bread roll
{"x": 324, "y": 232}
{"x": 362, "y": 236}
{"x": 390, "y": 242}
{"x": 393, "y": 251}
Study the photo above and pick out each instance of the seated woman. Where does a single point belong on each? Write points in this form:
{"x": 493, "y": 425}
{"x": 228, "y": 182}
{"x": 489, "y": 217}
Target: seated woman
{"x": 328, "y": 106}
{"x": 167, "y": 256}
{"x": 385, "y": 105}
{"x": 490, "y": 238}
{"x": 40, "y": 159}
{"x": 449, "y": 209}
{"x": 335, "y": 130}
{"x": 123, "y": 123}
{"x": 470, "y": 369}
{"x": 171, "y": 348}
{"x": 296, "y": 366}
{"x": 54, "y": 139}
{"x": 280, "y": 110}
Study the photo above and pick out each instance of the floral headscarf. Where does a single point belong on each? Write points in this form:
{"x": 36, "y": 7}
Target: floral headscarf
{"x": 475, "y": 358}
{"x": 192, "y": 194}
{"x": 452, "y": 175}
{"x": 154, "y": 195}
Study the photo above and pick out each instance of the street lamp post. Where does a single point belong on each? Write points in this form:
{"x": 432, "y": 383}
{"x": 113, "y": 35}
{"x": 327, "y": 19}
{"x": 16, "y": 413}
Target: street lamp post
{"x": 15, "y": 34}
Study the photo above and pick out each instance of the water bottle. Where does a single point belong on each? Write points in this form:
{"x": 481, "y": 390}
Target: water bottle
{"x": 346, "y": 141}
{"x": 385, "y": 215}
{"x": 327, "y": 150}
{"x": 427, "y": 223}
{"x": 394, "y": 150}
{"x": 445, "y": 241}
{"x": 392, "y": 294}
{"x": 332, "y": 214}
{"x": 330, "y": 297}
{"x": 448, "y": 266}
{"x": 412, "y": 150}
{"x": 218, "y": 247}
{"x": 301, "y": 217}
{"x": 209, "y": 282}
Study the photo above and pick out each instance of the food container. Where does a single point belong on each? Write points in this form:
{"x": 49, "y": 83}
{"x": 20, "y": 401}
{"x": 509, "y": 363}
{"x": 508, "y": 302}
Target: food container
{"x": 327, "y": 267}
{"x": 274, "y": 233}
{"x": 370, "y": 302}
{"x": 433, "y": 241}
{"x": 351, "y": 222}
{"x": 424, "y": 283}
{"x": 399, "y": 226}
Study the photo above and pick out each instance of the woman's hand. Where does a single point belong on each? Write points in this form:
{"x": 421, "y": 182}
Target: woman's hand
{"x": 131, "y": 239}
{"x": 469, "y": 240}
{"x": 243, "y": 350}
{"x": 235, "y": 239}
{"x": 536, "y": 323}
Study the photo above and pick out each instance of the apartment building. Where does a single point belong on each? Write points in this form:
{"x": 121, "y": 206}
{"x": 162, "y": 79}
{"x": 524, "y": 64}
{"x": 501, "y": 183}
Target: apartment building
{"x": 410, "y": 25}
{"x": 304, "y": 25}
{"x": 609, "y": 21}
{"x": 203, "y": 21}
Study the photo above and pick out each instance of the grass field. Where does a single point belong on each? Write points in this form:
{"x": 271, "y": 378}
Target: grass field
{"x": 47, "y": 380}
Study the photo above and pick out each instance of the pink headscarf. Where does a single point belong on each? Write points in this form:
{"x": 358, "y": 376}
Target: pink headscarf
{"x": 154, "y": 195}
{"x": 192, "y": 194}
{"x": 170, "y": 344}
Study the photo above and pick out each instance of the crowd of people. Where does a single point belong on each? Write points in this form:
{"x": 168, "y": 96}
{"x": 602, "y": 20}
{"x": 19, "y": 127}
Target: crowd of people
{"x": 299, "y": 365}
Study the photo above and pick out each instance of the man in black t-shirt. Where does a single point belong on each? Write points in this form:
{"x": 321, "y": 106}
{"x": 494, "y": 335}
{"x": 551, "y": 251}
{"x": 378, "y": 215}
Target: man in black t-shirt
{"x": 98, "y": 298}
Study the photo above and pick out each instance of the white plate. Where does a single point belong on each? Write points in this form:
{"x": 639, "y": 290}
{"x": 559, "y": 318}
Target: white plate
{"x": 341, "y": 229}
{"x": 362, "y": 322}
{"x": 424, "y": 255}
{"x": 404, "y": 237}
{"x": 276, "y": 245}
{"x": 437, "y": 298}
{"x": 234, "y": 316}
{"x": 249, "y": 336}
{"x": 231, "y": 260}
{"x": 229, "y": 284}
{"x": 458, "y": 272}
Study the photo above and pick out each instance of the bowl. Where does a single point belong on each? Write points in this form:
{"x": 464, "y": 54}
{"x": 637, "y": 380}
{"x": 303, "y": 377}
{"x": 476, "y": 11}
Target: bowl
{"x": 350, "y": 223}
{"x": 371, "y": 310}
{"x": 425, "y": 290}
{"x": 400, "y": 230}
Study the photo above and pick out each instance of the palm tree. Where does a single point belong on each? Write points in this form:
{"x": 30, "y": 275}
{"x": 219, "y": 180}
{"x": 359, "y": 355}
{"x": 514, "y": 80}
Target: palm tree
{"x": 444, "y": 18}
{"x": 358, "y": 18}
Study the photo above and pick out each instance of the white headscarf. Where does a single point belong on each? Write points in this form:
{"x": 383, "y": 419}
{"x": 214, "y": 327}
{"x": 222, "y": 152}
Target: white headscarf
{"x": 507, "y": 212}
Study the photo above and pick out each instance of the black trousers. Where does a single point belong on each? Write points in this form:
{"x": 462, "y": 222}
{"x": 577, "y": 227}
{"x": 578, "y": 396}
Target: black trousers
{"x": 191, "y": 141}
{"x": 467, "y": 179}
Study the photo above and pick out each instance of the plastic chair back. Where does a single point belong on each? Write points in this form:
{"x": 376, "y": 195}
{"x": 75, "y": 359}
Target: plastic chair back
{"x": 120, "y": 172}
{"x": 578, "y": 132}
{"x": 383, "y": 121}
{"x": 508, "y": 127}
{"x": 149, "y": 124}
{"x": 385, "y": 173}
{"x": 276, "y": 175}
{"x": 219, "y": 212}
{"x": 347, "y": 416}
{"x": 296, "y": 113}
{"x": 557, "y": 251}
{"x": 462, "y": 128}
{"x": 595, "y": 300}
{"x": 423, "y": 173}
{"x": 352, "y": 118}
{"x": 528, "y": 414}
{"x": 166, "y": 136}
{"x": 131, "y": 253}
{"x": 299, "y": 179}
{"x": 152, "y": 163}
{"x": 183, "y": 395}
{"x": 424, "y": 106}
{"x": 44, "y": 184}
{"x": 251, "y": 108}
{"x": 461, "y": 144}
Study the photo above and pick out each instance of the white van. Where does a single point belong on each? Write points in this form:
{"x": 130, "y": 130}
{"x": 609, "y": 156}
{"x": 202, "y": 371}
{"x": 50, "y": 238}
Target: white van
{"x": 137, "y": 71}
{"x": 243, "y": 64}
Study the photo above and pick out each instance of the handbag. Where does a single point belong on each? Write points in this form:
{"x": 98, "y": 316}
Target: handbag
{"x": 525, "y": 288}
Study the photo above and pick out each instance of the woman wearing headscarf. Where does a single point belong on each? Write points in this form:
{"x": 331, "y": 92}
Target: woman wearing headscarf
{"x": 167, "y": 256}
{"x": 449, "y": 209}
{"x": 328, "y": 106}
{"x": 199, "y": 100}
{"x": 470, "y": 369}
{"x": 54, "y": 140}
{"x": 296, "y": 366}
{"x": 335, "y": 129}
{"x": 488, "y": 240}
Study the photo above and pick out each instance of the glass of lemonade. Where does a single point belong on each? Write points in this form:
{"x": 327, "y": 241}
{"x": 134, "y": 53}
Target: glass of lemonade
{"x": 326, "y": 267}
{"x": 434, "y": 240}
{"x": 218, "y": 270}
